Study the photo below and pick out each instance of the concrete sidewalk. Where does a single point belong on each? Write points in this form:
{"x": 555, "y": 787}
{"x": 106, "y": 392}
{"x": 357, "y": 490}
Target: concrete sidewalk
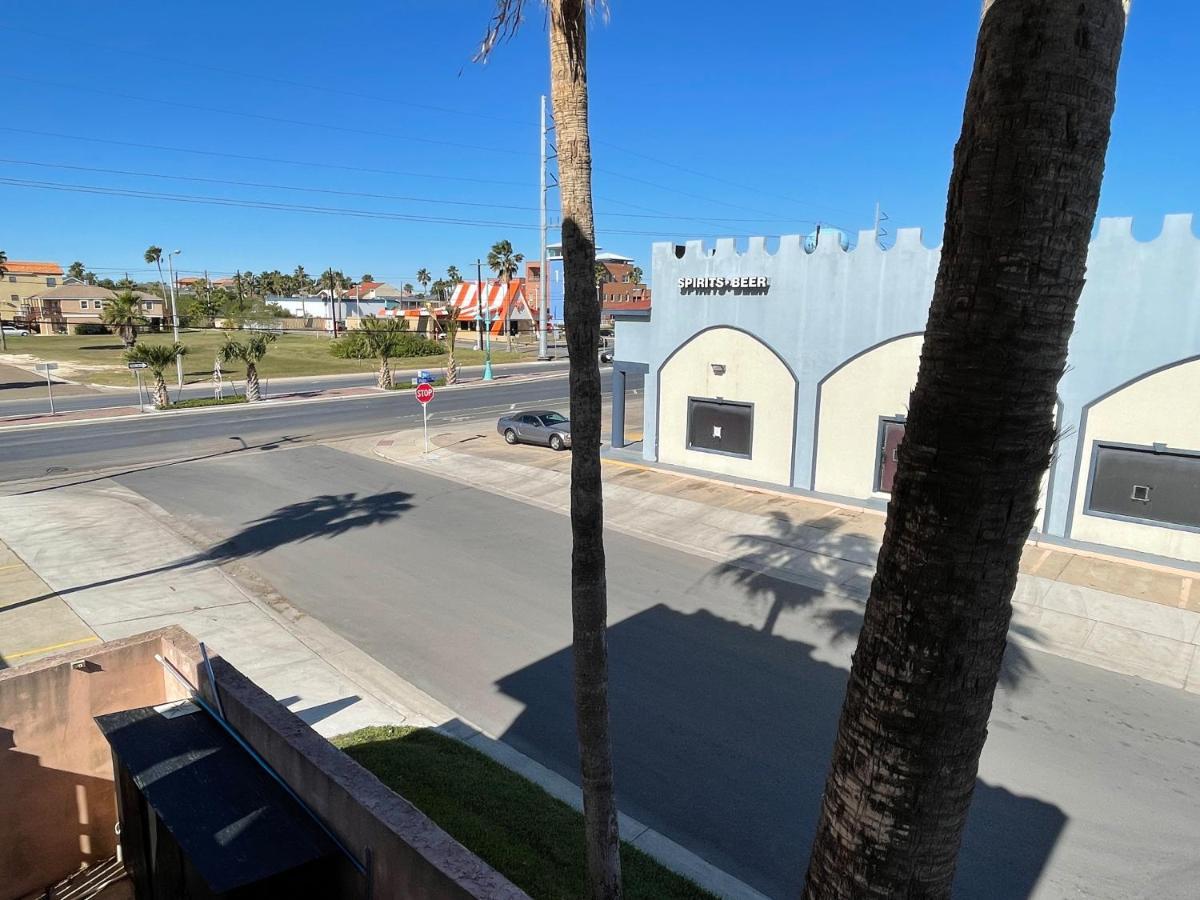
{"x": 1136, "y": 619}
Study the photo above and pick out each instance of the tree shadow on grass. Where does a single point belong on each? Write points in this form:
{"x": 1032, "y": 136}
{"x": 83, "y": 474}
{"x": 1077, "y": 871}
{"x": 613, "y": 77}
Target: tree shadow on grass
{"x": 324, "y": 516}
{"x": 722, "y": 736}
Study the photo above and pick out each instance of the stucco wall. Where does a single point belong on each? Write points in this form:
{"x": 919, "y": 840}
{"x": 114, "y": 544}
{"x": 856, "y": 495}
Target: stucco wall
{"x": 753, "y": 374}
{"x": 1160, "y": 408}
{"x": 852, "y": 400}
{"x": 1139, "y": 311}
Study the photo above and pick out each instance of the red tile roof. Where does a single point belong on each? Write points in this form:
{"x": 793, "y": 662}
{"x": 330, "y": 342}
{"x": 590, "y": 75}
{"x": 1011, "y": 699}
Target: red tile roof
{"x": 29, "y": 267}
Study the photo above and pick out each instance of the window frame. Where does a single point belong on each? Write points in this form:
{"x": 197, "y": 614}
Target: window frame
{"x": 1161, "y": 449}
{"x": 83, "y": 304}
{"x": 687, "y": 434}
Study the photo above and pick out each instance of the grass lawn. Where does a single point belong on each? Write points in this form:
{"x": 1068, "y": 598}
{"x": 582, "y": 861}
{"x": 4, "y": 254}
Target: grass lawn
{"x": 525, "y": 834}
{"x": 97, "y": 358}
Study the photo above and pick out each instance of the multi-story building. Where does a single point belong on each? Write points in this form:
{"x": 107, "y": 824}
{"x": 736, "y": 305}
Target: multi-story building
{"x": 61, "y": 310}
{"x": 22, "y": 280}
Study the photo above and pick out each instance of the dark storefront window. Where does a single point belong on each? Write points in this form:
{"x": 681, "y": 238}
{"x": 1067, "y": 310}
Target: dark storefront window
{"x": 1145, "y": 483}
{"x": 891, "y": 433}
{"x": 717, "y": 426}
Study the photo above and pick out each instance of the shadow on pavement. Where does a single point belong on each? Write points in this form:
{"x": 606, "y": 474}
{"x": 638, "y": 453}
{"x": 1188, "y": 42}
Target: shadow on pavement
{"x": 722, "y": 737}
{"x": 325, "y": 516}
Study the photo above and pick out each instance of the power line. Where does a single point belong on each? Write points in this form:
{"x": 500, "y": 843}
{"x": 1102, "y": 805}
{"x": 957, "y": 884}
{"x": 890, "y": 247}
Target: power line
{"x": 290, "y": 207}
{"x": 344, "y": 193}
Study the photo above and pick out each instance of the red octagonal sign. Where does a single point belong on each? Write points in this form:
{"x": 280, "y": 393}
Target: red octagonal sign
{"x": 424, "y": 393}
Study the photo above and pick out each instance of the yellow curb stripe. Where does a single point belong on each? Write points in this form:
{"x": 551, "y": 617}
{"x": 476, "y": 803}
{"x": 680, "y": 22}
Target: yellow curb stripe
{"x": 62, "y": 646}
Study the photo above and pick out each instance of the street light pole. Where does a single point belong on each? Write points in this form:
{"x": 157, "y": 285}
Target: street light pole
{"x": 543, "y": 281}
{"x": 485, "y": 325}
{"x": 175, "y": 322}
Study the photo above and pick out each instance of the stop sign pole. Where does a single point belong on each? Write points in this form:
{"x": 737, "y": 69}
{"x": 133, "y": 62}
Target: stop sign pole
{"x": 424, "y": 395}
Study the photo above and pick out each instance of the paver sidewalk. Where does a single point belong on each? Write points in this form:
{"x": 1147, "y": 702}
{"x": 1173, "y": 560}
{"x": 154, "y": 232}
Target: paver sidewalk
{"x": 1137, "y": 619}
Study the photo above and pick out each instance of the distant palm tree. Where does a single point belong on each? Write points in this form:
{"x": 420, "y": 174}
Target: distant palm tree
{"x": 503, "y": 261}
{"x": 453, "y": 274}
{"x": 423, "y": 278}
{"x": 408, "y": 288}
{"x": 154, "y": 255}
{"x": 157, "y": 357}
{"x": 601, "y": 272}
{"x": 76, "y": 270}
{"x": 383, "y": 338}
{"x": 251, "y": 352}
{"x": 450, "y": 328}
{"x": 635, "y": 275}
{"x": 368, "y": 277}
{"x": 124, "y": 313}
{"x": 303, "y": 282}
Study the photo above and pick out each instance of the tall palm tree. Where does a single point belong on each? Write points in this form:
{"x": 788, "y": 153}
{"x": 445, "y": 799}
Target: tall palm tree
{"x": 383, "y": 339}
{"x": 154, "y": 255}
{"x": 303, "y": 282}
{"x": 979, "y": 436}
{"x": 423, "y": 278}
{"x": 407, "y": 289}
{"x": 589, "y": 592}
{"x": 124, "y": 313}
{"x": 158, "y": 358}
{"x": 453, "y": 274}
{"x": 503, "y": 261}
{"x": 251, "y": 352}
{"x": 76, "y": 270}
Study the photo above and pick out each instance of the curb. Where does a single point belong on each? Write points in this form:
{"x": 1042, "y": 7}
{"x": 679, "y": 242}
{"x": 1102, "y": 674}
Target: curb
{"x": 416, "y": 707}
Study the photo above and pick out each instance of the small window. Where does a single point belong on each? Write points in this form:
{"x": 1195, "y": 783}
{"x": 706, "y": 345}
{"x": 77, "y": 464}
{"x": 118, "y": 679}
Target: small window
{"x": 149, "y": 305}
{"x": 720, "y": 426}
{"x": 12, "y": 279}
{"x": 1141, "y": 493}
{"x": 16, "y": 298}
{"x": 51, "y": 281}
{"x": 83, "y": 304}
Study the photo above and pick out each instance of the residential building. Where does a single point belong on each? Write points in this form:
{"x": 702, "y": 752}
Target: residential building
{"x": 22, "y": 279}
{"x": 63, "y": 309}
{"x": 794, "y": 367}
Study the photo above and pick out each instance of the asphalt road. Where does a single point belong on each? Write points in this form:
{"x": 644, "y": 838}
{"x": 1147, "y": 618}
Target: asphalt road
{"x": 68, "y": 401}
{"x": 33, "y": 452}
{"x": 722, "y": 732}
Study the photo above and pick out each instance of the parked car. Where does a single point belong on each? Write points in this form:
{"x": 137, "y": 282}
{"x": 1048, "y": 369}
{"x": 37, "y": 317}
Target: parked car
{"x": 606, "y": 356}
{"x": 14, "y": 331}
{"x": 536, "y": 426}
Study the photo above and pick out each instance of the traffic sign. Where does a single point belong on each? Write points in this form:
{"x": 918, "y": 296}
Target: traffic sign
{"x": 46, "y": 367}
{"x": 138, "y": 365}
{"x": 424, "y": 393}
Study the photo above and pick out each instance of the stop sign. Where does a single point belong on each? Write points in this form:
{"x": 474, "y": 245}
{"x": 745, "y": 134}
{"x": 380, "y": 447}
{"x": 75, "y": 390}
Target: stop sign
{"x": 424, "y": 393}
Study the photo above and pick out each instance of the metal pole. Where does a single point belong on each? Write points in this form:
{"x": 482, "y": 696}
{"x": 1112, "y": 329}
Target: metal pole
{"x": 141, "y": 400}
{"x": 543, "y": 282}
{"x": 425, "y": 413}
{"x": 175, "y": 323}
{"x": 478, "y": 305}
{"x": 487, "y": 341}
{"x": 50, "y": 390}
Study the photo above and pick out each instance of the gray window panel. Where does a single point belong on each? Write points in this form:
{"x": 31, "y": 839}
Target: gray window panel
{"x": 718, "y": 426}
{"x": 1143, "y": 484}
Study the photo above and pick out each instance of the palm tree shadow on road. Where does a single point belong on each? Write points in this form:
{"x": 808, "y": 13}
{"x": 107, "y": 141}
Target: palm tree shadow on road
{"x": 322, "y": 517}
{"x": 815, "y": 567}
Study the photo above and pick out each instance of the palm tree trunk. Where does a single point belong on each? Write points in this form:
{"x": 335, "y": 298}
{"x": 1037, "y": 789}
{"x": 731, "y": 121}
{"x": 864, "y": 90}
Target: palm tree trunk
{"x": 161, "y": 397}
{"x": 169, "y": 316}
{"x": 1022, "y": 200}
{"x": 252, "y": 382}
{"x": 451, "y": 362}
{"x": 385, "y": 374}
{"x": 589, "y": 594}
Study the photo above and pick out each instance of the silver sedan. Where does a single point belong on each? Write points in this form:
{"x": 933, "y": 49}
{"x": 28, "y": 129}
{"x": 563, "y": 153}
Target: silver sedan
{"x": 536, "y": 426}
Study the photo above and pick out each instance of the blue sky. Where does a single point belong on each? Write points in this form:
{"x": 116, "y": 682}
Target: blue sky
{"x": 703, "y": 124}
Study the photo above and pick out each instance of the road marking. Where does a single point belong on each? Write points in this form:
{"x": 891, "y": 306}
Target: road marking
{"x": 13, "y": 566}
{"x": 62, "y": 646}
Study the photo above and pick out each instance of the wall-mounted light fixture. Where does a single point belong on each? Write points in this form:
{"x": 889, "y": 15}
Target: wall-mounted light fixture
{"x": 718, "y": 368}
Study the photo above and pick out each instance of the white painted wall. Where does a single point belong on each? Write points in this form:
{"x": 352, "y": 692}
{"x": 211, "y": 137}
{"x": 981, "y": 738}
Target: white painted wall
{"x": 753, "y": 374}
{"x": 1162, "y": 408}
{"x": 851, "y": 402}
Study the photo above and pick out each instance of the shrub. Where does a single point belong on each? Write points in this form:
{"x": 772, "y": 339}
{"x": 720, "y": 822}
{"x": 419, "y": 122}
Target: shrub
{"x": 92, "y": 328}
{"x": 354, "y": 346}
{"x": 193, "y": 402}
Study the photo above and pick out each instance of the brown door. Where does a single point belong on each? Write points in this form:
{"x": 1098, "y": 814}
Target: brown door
{"x": 893, "y": 434}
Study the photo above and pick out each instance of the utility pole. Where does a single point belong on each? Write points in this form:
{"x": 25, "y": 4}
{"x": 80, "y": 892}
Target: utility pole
{"x": 543, "y": 281}
{"x": 484, "y": 326}
{"x": 332, "y": 303}
{"x": 175, "y": 323}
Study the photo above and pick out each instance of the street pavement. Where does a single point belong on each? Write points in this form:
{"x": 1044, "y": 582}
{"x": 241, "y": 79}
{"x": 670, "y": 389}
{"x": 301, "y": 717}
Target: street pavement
{"x": 722, "y": 722}
{"x": 59, "y": 449}
{"x": 24, "y": 394}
